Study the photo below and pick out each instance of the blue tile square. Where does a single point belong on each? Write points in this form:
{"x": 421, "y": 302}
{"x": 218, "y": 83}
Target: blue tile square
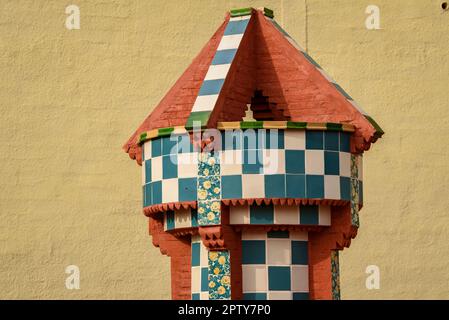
{"x": 254, "y": 296}
{"x": 253, "y": 252}
{"x": 253, "y": 139}
{"x": 224, "y": 56}
{"x": 170, "y": 217}
{"x": 331, "y": 162}
{"x": 295, "y": 186}
{"x": 194, "y": 217}
{"x": 187, "y": 189}
{"x": 205, "y": 279}
{"x": 236, "y": 27}
{"x": 294, "y": 161}
{"x": 195, "y": 296}
{"x": 148, "y": 171}
{"x": 274, "y": 139}
{"x": 300, "y": 296}
{"x": 252, "y": 162}
{"x": 156, "y": 192}
{"x": 184, "y": 144}
{"x": 211, "y": 87}
{"x": 278, "y": 234}
{"x": 231, "y": 187}
{"x": 261, "y": 214}
{"x": 331, "y": 140}
{"x": 345, "y": 188}
{"x": 232, "y": 139}
{"x": 315, "y": 186}
{"x": 314, "y": 140}
{"x": 196, "y": 254}
{"x": 156, "y": 147}
{"x": 169, "y": 145}
{"x": 345, "y": 144}
{"x": 169, "y": 166}
{"x": 309, "y": 214}
{"x": 274, "y": 186}
{"x": 279, "y": 278}
{"x": 148, "y": 195}
{"x": 300, "y": 252}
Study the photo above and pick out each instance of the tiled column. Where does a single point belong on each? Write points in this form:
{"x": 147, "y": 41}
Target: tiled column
{"x": 219, "y": 275}
{"x": 200, "y": 270}
{"x": 335, "y": 269}
{"x": 275, "y": 265}
{"x": 209, "y": 189}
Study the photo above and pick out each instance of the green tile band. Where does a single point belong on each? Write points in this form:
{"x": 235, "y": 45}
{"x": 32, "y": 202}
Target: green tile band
{"x": 201, "y": 116}
{"x": 251, "y": 125}
{"x": 161, "y": 132}
{"x": 240, "y": 12}
{"x": 165, "y": 131}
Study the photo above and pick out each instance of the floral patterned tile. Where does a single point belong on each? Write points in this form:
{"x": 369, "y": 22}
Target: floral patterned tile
{"x": 209, "y": 212}
{"x": 219, "y": 275}
{"x": 209, "y": 188}
{"x": 335, "y": 267}
{"x": 208, "y": 164}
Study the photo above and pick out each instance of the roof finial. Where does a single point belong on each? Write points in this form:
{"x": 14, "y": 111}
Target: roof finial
{"x": 248, "y": 114}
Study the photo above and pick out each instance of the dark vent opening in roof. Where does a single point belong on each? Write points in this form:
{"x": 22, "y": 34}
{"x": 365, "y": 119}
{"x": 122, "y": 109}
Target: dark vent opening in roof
{"x": 264, "y": 110}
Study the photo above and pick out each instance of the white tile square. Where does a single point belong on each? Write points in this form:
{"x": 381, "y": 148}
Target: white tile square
{"x": 253, "y": 186}
{"x": 286, "y": 214}
{"x": 204, "y": 255}
{"x": 324, "y": 218}
{"x": 300, "y": 278}
{"x": 294, "y": 139}
{"x": 254, "y": 278}
{"x": 147, "y": 150}
{"x": 230, "y": 42}
{"x": 170, "y": 190}
{"x": 218, "y": 71}
{"x": 254, "y": 235}
{"x": 156, "y": 169}
{"x": 314, "y": 161}
{"x": 196, "y": 279}
{"x": 187, "y": 165}
{"x": 183, "y": 218}
{"x": 332, "y": 187}
{"x": 299, "y": 235}
{"x": 279, "y": 295}
{"x": 273, "y": 161}
{"x": 205, "y": 103}
{"x": 239, "y": 215}
{"x": 239, "y": 18}
{"x": 143, "y": 173}
{"x": 231, "y": 162}
{"x": 345, "y": 164}
{"x": 279, "y": 252}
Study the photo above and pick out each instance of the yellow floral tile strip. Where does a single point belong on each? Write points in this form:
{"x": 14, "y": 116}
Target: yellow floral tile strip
{"x": 209, "y": 189}
{"x": 219, "y": 275}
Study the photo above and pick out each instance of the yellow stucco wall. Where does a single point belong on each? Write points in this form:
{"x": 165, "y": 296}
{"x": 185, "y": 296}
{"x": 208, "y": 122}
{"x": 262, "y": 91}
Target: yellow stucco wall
{"x": 70, "y": 99}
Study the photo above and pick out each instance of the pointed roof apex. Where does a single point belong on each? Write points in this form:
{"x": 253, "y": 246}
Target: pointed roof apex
{"x": 251, "y": 59}
{"x": 248, "y": 11}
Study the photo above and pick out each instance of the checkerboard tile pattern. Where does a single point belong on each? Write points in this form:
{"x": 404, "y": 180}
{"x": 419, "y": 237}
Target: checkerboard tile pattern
{"x": 282, "y": 215}
{"x": 200, "y": 270}
{"x": 169, "y": 170}
{"x": 275, "y": 265}
{"x": 257, "y": 163}
{"x": 218, "y": 70}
